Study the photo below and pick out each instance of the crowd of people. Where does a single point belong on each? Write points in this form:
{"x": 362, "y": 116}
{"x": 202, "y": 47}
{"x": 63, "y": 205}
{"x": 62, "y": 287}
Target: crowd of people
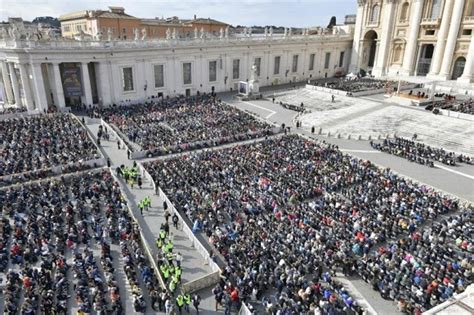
{"x": 356, "y": 84}
{"x": 424, "y": 268}
{"x": 182, "y": 123}
{"x": 420, "y": 153}
{"x": 12, "y": 110}
{"x": 35, "y": 145}
{"x": 450, "y": 103}
{"x": 285, "y": 209}
{"x": 46, "y": 221}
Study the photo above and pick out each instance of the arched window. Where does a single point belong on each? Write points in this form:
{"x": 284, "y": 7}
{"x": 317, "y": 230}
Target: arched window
{"x": 375, "y": 13}
{"x": 435, "y": 9}
{"x": 404, "y": 12}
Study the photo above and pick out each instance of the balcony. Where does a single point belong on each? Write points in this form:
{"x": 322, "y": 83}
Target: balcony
{"x": 468, "y": 20}
{"x": 430, "y": 22}
{"x": 373, "y": 24}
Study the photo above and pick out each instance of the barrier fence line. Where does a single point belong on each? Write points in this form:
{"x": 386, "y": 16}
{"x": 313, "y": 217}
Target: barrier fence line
{"x": 244, "y": 310}
{"x": 89, "y": 133}
{"x": 455, "y": 114}
{"x": 189, "y": 233}
{"x": 19, "y": 114}
{"x": 114, "y": 132}
{"x": 201, "y": 283}
{"x": 143, "y": 240}
{"x": 355, "y": 94}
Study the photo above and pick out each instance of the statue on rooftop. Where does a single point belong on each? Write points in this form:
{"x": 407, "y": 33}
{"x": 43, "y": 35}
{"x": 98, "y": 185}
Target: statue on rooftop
{"x": 202, "y": 33}
{"x": 109, "y": 34}
{"x": 168, "y": 33}
{"x": 3, "y": 33}
{"x": 135, "y": 33}
{"x": 271, "y": 32}
{"x": 227, "y": 31}
{"x": 144, "y": 35}
{"x": 196, "y": 33}
{"x": 221, "y": 33}
{"x": 173, "y": 35}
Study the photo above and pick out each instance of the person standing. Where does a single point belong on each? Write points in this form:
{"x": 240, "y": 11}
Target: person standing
{"x": 187, "y": 301}
{"x": 139, "y": 182}
{"x": 180, "y": 303}
{"x": 196, "y": 302}
{"x": 168, "y": 306}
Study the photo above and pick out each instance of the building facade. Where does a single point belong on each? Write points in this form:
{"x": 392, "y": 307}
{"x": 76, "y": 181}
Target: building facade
{"x": 118, "y": 25}
{"x": 38, "y": 74}
{"x": 433, "y": 38}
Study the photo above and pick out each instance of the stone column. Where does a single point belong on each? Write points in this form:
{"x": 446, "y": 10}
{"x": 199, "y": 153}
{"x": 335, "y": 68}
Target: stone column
{"x": 25, "y": 81}
{"x": 104, "y": 84}
{"x": 441, "y": 43}
{"x": 41, "y": 99}
{"x": 383, "y": 50}
{"x": 15, "y": 85}
{"x": 58, "y": 86}
{"x": 451, "y": 41}
{"x": 468, "y": 74}
{"x": 356, "y": 47}
{"x": 86, "y": 81}
{"x": 412, "y": 40}
{"x": 7, "y": 84}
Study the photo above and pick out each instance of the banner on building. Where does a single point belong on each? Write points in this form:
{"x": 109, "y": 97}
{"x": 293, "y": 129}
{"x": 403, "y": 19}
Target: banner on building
{"x": 71, "y": 76}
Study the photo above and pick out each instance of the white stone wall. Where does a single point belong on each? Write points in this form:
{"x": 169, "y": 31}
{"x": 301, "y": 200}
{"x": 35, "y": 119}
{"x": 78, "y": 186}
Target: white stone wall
{"x": 110, "y": 58}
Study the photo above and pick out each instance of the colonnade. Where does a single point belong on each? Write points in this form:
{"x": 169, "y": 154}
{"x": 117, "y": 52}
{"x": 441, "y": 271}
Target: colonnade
{"x": 24, "y": 84}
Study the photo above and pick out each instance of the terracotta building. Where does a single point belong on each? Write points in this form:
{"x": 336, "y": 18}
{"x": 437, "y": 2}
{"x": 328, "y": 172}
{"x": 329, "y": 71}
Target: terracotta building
{"x": 94, "y": 23}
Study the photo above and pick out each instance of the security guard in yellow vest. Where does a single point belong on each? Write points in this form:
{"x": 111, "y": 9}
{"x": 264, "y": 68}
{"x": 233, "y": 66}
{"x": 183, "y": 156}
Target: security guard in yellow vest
{"x": 162, "y": 235}
{"x": 172, "y": 286}
{"x": 187, "y": 301}
{"x": 180, "y": 303}
{"x": 159, "y": 243}
{"x": 178, "y": 272}
{"x": 170, "y": 258}
{"x": 165, "y": 271}
{"x": 169, "y": 247}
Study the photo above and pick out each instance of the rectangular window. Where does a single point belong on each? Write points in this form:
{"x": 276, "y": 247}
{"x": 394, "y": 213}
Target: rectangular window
{"x": 127, "y": 79}
{"x": 159, "y": 76}
{"x": 236, "y": 69}
{"x": 212, "y": 71}
{"x": 124, "y": 31}
{"x": 327, "y": 60}
{"x": 294, "y": 67}
{"x": 311, "y": 62}
{"x": 467, "y": 32}
{"x": 341, "y": 59}
{"x": 187, "y": 73}
{"x": 258, "y": 62}
{"x": 276, "y": 65}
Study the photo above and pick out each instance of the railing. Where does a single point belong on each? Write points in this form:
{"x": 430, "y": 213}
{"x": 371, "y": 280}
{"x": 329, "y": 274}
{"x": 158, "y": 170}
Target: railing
{"x": 189, "y": 233}
{"x": 469, "y": 19}
{"x": 430, "y": 21}
{"x": 164, "y": 43}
